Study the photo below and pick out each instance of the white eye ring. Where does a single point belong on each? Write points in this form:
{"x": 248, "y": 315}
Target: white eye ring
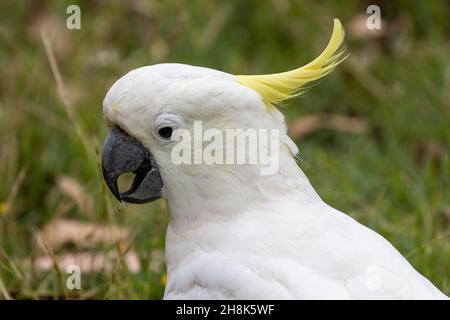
{"x": 165, "y": 124}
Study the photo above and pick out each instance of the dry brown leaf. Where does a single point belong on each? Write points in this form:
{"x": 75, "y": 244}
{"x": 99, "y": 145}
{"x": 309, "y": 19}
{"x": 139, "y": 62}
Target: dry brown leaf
{"x": 357, "y": 28}
{"x": 103, "y": 58}
{"x": 63, "y": 207}
{"x": 70, "y": 187}
{"x": 89, "y": 262}
{"x": 56, "y": 28}
{"x": 311, "y": 123}
{"x": 157, "y": 259}
{"x": 132, "y": 261}
{"x": 59, "y": 232}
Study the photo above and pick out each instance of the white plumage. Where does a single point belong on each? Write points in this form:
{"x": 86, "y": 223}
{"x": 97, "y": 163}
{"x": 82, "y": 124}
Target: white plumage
{"x": 235, "y": 234}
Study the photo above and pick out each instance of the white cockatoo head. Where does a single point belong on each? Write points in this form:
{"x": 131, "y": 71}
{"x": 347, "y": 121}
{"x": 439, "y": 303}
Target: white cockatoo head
{"x": 150, "y": 107}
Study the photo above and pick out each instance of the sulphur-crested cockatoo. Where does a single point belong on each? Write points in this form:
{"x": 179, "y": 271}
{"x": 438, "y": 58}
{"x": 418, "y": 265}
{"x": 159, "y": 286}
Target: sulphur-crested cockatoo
{"x": 234, "y": 232}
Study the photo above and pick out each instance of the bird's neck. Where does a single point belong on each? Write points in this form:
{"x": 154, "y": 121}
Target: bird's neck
{"x": 225, "y": 193}
{"x": 202, "y": 217}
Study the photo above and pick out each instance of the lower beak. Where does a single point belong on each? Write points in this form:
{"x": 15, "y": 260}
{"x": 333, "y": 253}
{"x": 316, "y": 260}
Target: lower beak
{"x": 123, "y": 153}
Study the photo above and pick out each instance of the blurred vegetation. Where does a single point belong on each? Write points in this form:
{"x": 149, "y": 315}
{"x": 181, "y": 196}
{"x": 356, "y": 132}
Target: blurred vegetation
{"x": 394, "y": 178}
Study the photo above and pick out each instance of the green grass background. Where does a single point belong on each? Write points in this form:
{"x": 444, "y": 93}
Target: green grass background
{"x": 394, "y": 179}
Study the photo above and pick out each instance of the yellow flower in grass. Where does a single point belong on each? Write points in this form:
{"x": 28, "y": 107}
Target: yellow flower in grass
{"x": 4, "y": 207}
{"x": 164, "y": 279}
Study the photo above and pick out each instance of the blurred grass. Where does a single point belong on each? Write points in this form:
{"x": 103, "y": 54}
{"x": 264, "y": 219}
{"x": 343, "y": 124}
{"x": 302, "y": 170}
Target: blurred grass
{"x": 395, "y": 179}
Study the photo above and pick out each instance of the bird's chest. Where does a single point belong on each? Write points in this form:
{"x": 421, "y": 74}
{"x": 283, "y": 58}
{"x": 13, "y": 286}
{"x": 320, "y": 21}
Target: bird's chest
{"x": 225, "y": 275}
{"x": 250, "y": 258}
{"x": 216, "y": 261}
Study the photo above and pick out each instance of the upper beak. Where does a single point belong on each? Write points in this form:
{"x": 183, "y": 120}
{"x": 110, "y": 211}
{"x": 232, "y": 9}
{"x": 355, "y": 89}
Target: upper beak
{"x": 123, "y": 153}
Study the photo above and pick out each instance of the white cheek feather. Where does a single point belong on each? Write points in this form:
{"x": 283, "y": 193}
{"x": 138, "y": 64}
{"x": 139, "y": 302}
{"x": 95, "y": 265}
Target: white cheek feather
{"x": 234, "y": 234}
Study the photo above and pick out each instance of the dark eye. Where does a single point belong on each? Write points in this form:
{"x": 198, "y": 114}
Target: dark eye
{"x": 165, "y": 132}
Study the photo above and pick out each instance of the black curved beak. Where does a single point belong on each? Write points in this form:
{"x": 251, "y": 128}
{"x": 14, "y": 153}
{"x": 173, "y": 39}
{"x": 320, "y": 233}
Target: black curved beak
{"x": 123, "y": 153}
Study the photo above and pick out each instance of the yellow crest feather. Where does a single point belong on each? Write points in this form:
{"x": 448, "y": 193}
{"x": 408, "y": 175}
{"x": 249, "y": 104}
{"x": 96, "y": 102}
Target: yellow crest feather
{"x": 277, "y": 87}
